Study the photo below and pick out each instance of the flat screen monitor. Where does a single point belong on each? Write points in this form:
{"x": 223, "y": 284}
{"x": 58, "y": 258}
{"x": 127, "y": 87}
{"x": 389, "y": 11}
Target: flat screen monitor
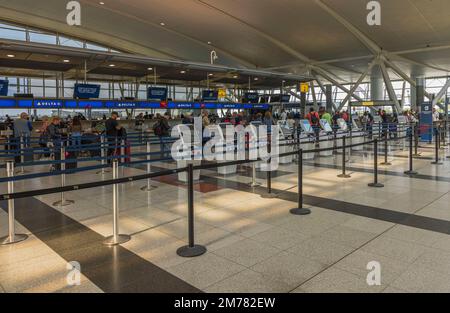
{"x": 4, "y": 87}
{"x": 357, "y": 123}
{"x": 306, "y": 126}
{"x": 326, "y": 126}
{"x": 157, "y": 93}
{"x": 251, "y": 97}
{"x": 86, "y": 91}
{"x": 377, "y": 119}
{"x": 210, "y": 95}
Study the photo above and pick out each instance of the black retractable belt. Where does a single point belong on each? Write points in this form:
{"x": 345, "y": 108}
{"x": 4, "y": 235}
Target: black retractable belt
{"x": 300, "y": 210}
{"x": 375, "y": 162}
{"x": 344, "y": 145}
{"x": 191, "y": 250}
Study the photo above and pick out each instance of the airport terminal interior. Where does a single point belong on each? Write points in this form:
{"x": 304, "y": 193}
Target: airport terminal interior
{"x": 218, "y": 146}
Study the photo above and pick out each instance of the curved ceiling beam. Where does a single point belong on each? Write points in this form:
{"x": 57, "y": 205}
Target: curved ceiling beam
{"x": 95, "y": 36}
{"x": 273, "y": 40}
{"x": 369, "y": 43}
{"x": 175, "y": 32}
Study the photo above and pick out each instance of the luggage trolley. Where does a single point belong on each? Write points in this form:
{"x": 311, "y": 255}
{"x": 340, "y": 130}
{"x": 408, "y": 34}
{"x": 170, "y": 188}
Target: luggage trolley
{"x": 190, "y": 150}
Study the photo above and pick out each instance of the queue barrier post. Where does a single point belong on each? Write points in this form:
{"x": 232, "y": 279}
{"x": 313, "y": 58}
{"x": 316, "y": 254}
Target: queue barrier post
{"x": 12, "y": 236}
{"x": 116, "y": 238}
{"x": 103, "y": 155}
{"x": 269, "y": 194}
{"x": 22, "y": 155}
{"x": 254, "y": 183}
{"x": 436, "y": 148}
{"x": 191, "y": 250}
{"x": 344, "y": 151}
{"x": 300, "y": 210}
{"x": 386, "y": 147}
{"x": 411, "y": 170}
{"x": 148, "y": 187}
{"x": 416, "y": 141}
{"x": 63, "y": 201}
{"x": 375, "y": 162}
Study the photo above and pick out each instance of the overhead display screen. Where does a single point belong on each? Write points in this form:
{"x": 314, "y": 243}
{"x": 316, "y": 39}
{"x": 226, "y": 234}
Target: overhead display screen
{"x": 4, "y": 87}
{"x": 157, "y": 93}
{"x": 251, "y": 97}
{"x": 210, "y": 95}
{"x": 86, "y": 91}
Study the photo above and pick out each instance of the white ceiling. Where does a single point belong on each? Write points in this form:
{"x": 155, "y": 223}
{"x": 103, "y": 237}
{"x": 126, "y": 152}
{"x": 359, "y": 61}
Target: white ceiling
{"x": 279, "y": 34}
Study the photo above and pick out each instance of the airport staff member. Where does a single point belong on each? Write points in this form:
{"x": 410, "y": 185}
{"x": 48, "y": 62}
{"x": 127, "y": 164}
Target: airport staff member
{"x": 112, "y": 132}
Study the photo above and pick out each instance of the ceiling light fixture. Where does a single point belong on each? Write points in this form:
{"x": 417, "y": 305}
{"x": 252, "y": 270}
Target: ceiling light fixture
{"x": 66, "y": 61}
{"x": 10, "y": 55}
{"x": 235, "y": 76}
{"x": 150, "y": 69}
{"x": 256, "y": 78}
{"x": 101, "y": 3}
{"x": 183, "y": 72}
{"x": 112, "y": 65}
{"x": 210, "y": 74}
{"x": 162, "y": 24}
{"x": 209, "y": 43}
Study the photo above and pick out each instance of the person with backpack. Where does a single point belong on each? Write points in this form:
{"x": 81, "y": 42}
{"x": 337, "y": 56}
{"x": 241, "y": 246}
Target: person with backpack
{"x": 161, "y": 129}
{"x": 314, "y": 120}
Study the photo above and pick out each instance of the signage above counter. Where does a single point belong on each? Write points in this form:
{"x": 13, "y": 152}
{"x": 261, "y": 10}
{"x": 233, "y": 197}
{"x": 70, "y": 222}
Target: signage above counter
{"x": 18, "y": 103}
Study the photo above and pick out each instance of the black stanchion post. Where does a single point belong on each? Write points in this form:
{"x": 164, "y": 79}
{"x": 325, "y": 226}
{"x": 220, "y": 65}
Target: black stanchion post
{"x": 411, "y": 170}
{"x": 191, "y": 250}
{"x": 300, "y": 210}
{"x": 12, "y": 236}
{"x": 344, "y": 144}
{"x": 386, "y": 162}
{"x": 375, "y": 162}
{"x": 269, "y": 194}
{"x": 436, "y": 149}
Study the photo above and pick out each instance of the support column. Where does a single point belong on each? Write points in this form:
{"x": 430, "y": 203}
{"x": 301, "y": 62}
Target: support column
{"x": 376, "y": 84}
{"x": 329, "y": 97}
{"x": 417, "y": 93}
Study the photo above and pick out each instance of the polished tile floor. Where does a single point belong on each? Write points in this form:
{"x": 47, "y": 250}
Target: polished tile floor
{"x": 254, "y": 244}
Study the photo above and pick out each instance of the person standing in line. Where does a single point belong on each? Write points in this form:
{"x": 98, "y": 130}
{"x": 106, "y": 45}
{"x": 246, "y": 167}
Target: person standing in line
{"x": 75, "y": 129}
{"x": 112, "y": 132}
{"x": 161, "y": 129}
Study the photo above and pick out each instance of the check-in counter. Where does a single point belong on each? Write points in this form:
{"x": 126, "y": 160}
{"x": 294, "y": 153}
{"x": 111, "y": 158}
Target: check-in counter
{"x": 357, "y": 134}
